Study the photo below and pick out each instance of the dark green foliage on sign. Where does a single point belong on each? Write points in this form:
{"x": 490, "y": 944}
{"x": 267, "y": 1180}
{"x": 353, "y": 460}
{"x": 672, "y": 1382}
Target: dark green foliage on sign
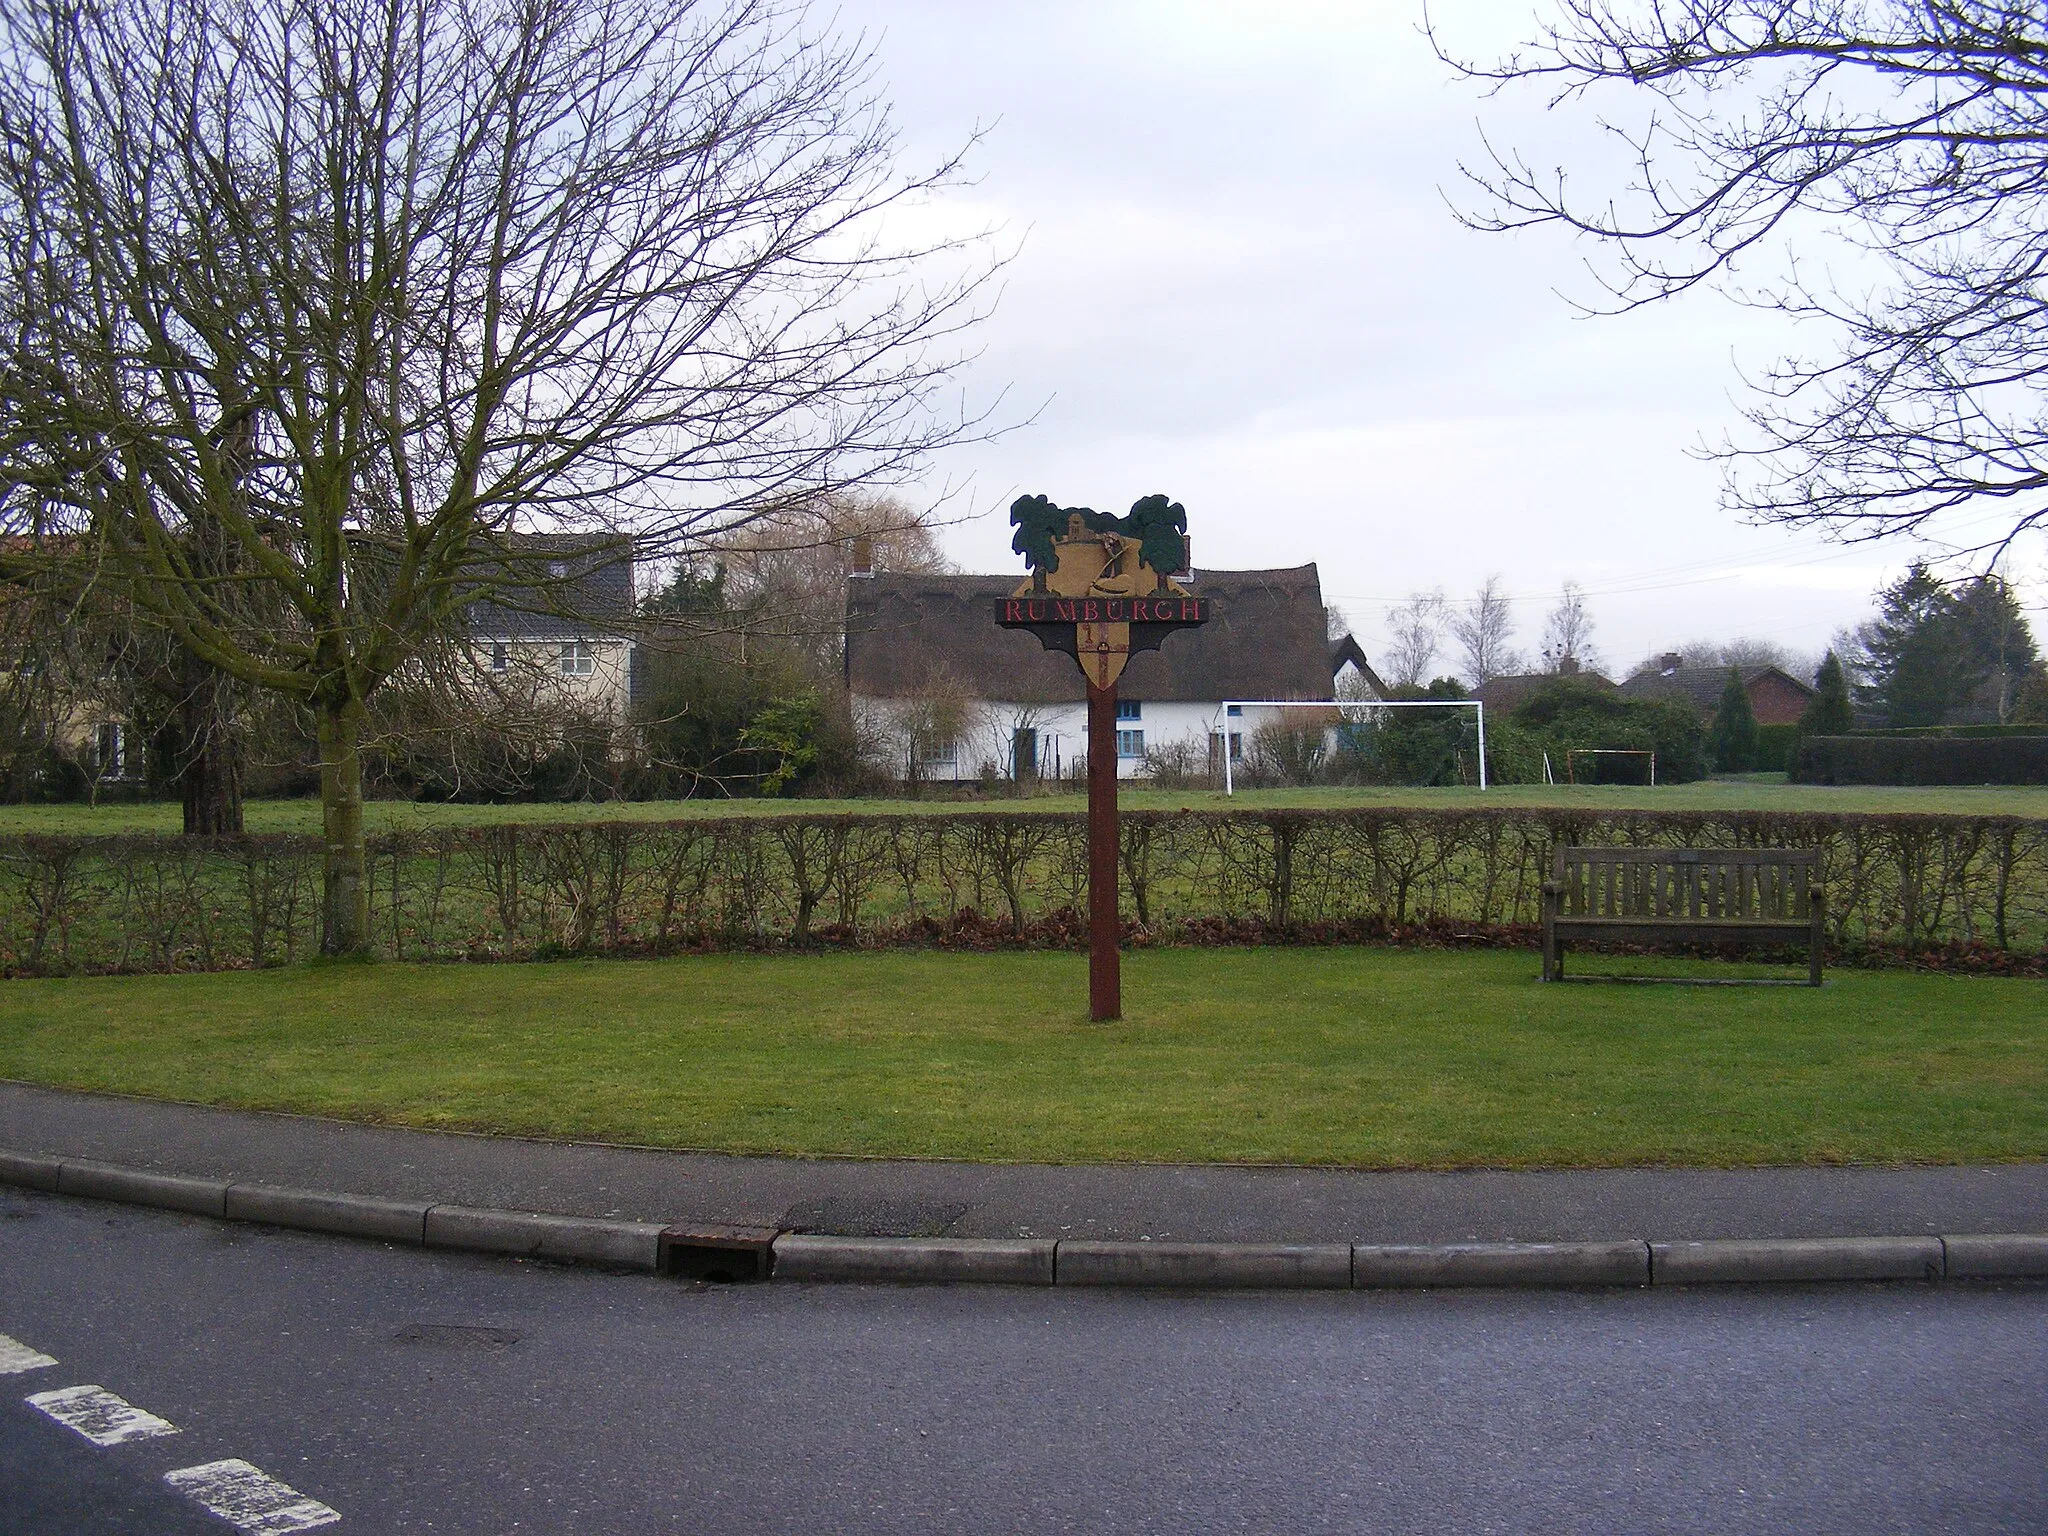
{"x": 1159, "y": 525}
{"x": 1732, "y": 742}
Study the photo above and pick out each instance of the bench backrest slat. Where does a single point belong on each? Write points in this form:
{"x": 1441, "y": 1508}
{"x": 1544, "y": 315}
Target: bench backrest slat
{"x": 1688, "y": 884}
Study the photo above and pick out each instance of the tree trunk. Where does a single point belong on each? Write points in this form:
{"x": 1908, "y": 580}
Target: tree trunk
{"x": 209, "y": 752}
{"x": 345, "y": 886}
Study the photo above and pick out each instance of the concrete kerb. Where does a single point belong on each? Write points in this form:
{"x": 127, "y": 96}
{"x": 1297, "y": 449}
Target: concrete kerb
{"x": 1797, "y": 1259}
{"x": 751, "y": 1253}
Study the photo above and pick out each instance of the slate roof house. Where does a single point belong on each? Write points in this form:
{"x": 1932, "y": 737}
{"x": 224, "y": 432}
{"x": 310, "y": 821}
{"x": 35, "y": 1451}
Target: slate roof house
{"x": 561, "y": 624}
{"x": 1776, "y": 697}
{"x": 947, "y": 695}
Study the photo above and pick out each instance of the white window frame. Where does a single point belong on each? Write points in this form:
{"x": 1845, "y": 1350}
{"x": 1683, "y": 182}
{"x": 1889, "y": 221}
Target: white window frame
{"x": 577, "y": 658}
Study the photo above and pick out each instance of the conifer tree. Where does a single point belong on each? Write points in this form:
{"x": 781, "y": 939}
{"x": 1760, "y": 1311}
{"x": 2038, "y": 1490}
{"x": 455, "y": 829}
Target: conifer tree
{"x": 1829, "y": 712}
{"x": 1733, "y": 739}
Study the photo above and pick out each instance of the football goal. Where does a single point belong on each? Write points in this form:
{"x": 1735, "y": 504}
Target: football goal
{"x": 1593, "y": 755}
{"x": 1355, "y": 723}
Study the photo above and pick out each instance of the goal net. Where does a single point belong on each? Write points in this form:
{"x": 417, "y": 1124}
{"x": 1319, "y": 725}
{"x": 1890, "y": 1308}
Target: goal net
{"x": 1610, "y": 765}
{"x": 1410, "y": 742}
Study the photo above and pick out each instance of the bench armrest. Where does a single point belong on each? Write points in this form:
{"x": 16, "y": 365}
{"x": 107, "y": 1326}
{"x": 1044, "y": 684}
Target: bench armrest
{"x": 1551, "y": 888}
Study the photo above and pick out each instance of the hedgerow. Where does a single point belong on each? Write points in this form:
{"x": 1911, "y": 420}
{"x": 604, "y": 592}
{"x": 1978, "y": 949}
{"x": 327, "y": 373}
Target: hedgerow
{"x": 1901, "y": 888}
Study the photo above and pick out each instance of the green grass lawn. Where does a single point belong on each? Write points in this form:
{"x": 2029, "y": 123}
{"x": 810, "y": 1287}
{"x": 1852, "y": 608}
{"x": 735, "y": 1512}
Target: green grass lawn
{"x": 1760, "y": 792}
{"x": 1368, "y": 1058}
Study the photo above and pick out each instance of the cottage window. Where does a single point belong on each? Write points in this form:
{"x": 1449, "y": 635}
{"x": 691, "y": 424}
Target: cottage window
{"x": 1130, "y": 743}
{"x": 1128, "y": 709}
{"x": 578, "y": 658}
{"x": 501, "y": 655}
{"x": 936, "y": 754}
{"x": 1236, "y": 710}
{"x": 112, "y": 749}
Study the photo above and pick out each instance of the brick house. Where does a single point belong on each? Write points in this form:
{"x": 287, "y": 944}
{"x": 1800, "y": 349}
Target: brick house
{"x": 1776, "y": 697}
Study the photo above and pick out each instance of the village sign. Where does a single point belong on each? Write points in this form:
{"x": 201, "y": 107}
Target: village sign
{"x": 1100, "y": 588}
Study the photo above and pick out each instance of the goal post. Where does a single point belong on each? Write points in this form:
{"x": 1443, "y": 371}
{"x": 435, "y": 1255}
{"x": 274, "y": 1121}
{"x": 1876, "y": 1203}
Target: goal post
{"x": 1478, "y": 710}
{"x": 1573, "y": 753}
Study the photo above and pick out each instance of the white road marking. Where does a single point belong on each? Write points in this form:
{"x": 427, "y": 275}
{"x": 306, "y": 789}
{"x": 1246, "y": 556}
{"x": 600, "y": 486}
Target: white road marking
{"x": 101, "y": 1417}
{"x": 16, "y": 1357}
{"x": 251, "y": 1499}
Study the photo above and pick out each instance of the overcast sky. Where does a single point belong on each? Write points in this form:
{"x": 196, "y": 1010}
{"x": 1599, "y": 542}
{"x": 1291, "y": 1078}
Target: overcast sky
{"x": 1238, "y": 282}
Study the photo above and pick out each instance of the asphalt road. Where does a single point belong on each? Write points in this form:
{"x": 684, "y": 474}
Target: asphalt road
{"x": 430, "y": 1392}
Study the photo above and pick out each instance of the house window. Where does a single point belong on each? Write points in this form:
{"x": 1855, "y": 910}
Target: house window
{"x": 578, "y": 658}
{"x": 1130, "y": 743}
{"x": 1236, "y": 747}
{"x": 501, "y": 656}
{"x": 113, "y": 749}
{"x": 1236, "y": 710}
{"x": 1127, "y": 709}
{"x": 935, "y": 754}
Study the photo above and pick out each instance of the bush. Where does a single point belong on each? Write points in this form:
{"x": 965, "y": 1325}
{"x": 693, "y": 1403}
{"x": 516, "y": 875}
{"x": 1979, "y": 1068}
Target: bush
{"x": 1923, "y": 759}
{"x": 1570, "y": 713}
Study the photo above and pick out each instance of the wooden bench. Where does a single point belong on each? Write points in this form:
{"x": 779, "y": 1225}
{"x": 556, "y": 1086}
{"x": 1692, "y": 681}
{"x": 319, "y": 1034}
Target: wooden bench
{"x": 1683, "y": 896}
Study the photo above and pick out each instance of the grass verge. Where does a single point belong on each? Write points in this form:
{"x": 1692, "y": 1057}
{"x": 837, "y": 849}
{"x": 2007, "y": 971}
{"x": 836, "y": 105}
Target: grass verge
{"x": 1366, "y": 1058}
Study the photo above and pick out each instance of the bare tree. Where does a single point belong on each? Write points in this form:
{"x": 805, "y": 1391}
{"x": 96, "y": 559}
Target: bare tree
{"x": 1743, "y": 651}
{"x": 362, "y": 288}
{"x": 1416, "y": 630}
{"x": 787, "y": 575}
{"x": 1915, "y": 129}
{"x": 1483, "y": 627}
{"x": 1568, "y": 633}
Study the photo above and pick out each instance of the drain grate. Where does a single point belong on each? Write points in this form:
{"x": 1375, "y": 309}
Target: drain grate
{"x": 728, "y": 1255}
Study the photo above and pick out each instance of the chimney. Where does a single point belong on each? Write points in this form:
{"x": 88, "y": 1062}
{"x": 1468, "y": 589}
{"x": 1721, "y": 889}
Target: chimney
{"x": 1670, "y": 662}
{"x": 863, "y": 555}
{"x": 1567, "y": 666}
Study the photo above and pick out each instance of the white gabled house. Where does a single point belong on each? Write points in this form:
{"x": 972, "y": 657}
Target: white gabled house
{"x": 946, "y": 695}
{"x": 560, "y": 631}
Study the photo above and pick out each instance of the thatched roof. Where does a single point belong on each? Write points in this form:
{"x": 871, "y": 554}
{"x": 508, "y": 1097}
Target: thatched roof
{"x": 1265, "y": 642}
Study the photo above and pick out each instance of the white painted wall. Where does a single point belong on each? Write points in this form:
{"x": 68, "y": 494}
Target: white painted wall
{"x": 1062, "y": 735}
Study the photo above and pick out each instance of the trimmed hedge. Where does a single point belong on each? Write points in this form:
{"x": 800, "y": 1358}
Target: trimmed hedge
{"x": 2001, "y": 759}
{"x": 1922, "y": 731}
{"x": 1775, "y": 745}
{"x": 1897, "y": 885}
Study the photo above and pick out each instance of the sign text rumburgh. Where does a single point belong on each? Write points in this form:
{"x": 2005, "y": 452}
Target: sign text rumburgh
{"x": 1102, "y": 610}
